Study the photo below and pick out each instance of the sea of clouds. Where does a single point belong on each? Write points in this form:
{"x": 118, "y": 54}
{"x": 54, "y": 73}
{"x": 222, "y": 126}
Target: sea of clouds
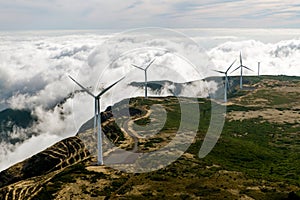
{"x": 34, "y": 69}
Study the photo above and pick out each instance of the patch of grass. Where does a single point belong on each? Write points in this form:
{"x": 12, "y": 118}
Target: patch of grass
{"x": 255, "y": 152}
{"x": 237, "y": 93}
{"x": 274, "y": 98}
{"x": 143, "y": 121}
{"x": 69, "y": 175}
{"x": 231, "y": 108}
{"x": 113, "y": 132}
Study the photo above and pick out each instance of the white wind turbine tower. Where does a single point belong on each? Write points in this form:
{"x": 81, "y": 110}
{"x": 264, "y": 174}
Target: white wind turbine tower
{"x": 226, "y": 80}
{"x": 145, "y": 70}
{"x": 97, "y": 117}
{"x": 258, "y": 70}
{"x": 241, "y": 66}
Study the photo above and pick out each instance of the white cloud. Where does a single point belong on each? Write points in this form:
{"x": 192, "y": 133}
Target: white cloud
{"x": 278, "y": 58}
{"x": 36, "y": 68}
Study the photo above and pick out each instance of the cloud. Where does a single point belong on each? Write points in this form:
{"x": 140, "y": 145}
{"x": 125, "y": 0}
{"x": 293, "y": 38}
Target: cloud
{"x": 277, "y": 58}
{"x": 36, "y": 68}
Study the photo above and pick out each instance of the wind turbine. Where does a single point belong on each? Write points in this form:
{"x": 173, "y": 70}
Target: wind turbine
{"x": 145, "y": 70}
{"x": 258, "y": 70}
{"x": 241, "y": 66}
{"x": 97, "y": 116}
{"x": 226, "y": 80}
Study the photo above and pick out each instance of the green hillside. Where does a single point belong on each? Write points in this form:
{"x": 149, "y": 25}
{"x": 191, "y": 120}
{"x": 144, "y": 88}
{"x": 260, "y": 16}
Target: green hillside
{"x": 256, "y": 157}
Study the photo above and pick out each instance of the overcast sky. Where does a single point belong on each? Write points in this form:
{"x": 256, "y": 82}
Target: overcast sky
{"x": 124, "y": 14}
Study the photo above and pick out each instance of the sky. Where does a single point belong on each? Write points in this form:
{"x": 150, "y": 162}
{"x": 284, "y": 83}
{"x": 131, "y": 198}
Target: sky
{"x": 120, "y": 14}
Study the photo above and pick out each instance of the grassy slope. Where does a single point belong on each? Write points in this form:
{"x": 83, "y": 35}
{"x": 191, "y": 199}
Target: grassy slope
{"x": 253, "y": 158}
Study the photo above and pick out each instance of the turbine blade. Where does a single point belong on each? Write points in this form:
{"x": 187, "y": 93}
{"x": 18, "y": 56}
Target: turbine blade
{"x": 241, "y": 60}
{"x": 137, "y": 67}
{"x": 236, "y": 69}
{"x": 150, "y": 64}
{"x": 106, "y": 89}
{"x": 85, "y": 89}
{"x": 219, "y": 71}
{"x": 230, "y": 66}
{"x": 248, "y": 68}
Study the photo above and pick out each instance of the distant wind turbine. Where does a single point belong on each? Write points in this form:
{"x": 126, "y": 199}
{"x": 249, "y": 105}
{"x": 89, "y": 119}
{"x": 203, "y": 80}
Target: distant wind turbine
{"x": 145, "y": 70}
{"x": 258, "y": 70}
{"x": 97, "y": 117}
{"x": 241, "y": 66}
{"x": 226, "y": 80}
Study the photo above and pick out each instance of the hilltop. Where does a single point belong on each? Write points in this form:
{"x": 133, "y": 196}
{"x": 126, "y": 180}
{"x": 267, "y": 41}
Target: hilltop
{"x": 256, "y": 157}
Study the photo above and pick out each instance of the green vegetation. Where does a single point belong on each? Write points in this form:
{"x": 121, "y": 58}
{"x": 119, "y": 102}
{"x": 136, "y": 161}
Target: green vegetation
{"x": 113, "y": 132}
{"x": 254, "y": 157}
{"x": 143, "y": 121}
{"x": 69, "y": 175}
{"x": 254, "y": 153}
{"x": 275, "y": 98}
{"x": 246, "y": 148}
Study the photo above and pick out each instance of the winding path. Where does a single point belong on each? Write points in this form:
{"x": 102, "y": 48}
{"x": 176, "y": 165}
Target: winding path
{"x": 121, "y": 156}
{"x": 131, "y": 132}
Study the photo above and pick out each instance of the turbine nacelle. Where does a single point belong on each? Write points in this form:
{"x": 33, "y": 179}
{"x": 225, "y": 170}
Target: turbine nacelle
{"x": 241, "y": 67}
{"x": 101, "y": 93}
{"x": 221, "y": 72}
{"x": 241, "y": 64}
{"x": 226, "y": 80}
{"x": 145, "y": 70}
{"x": 97, "y": 116}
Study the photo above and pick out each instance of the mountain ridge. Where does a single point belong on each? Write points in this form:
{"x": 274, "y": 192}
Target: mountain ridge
{"x": 259, "y": 154}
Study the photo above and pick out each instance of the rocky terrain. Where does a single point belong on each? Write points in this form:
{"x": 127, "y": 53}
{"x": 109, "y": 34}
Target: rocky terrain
{"x": 256, "y": 157}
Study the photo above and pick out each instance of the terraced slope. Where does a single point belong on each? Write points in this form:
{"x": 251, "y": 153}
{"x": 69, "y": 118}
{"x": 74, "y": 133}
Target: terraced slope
{"x": 24, "y": 180}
